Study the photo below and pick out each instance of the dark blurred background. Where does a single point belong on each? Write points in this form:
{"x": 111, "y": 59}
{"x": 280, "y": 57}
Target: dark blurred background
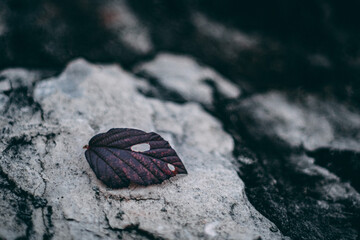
{"x": 308, "y": 44}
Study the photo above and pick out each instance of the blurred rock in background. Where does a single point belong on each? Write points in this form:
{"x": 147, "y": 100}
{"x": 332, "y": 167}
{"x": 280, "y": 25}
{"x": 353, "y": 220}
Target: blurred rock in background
{"x": 311, "y": 45}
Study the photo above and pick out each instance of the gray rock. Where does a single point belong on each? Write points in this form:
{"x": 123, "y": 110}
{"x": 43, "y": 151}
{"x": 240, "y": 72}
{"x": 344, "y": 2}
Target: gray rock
{"x": 306, "y": 171}
{"x": 234, "y": 40}
{"x": 186, "y": 77}
{"x": 43, "y": 158}
{"x": 303, "y": 121}
{"x": 13, "y": 78}
{"x": 124, "y": 24}
{"x": 11, "y": 228}
{"x": 3, "y": 101}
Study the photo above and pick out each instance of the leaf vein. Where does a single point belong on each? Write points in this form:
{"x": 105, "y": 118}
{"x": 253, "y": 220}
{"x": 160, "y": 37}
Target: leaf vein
{"x": 127, "y": 164}
{"x": 148, "y": 169}
{"x": 104, "y": 159}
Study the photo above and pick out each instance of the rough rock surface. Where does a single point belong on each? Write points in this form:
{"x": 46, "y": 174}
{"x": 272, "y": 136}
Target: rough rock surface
{"x": 303, "y": 120}
{"x": 15, "y": 78}
{"x": 51, "y": 192}
{"x": 313, "y": 140}
{"x": 123, "y": 23}
{"x": 305, "y": 167}
{"x": 183, "y": 76}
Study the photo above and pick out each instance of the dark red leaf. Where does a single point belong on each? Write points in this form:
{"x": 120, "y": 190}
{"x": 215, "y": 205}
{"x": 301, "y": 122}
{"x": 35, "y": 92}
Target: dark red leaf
{"x": 116, "y": 161}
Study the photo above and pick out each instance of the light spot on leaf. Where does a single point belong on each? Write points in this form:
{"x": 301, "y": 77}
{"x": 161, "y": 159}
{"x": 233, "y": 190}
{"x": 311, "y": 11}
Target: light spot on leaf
{"x": 142, "y": 147}
{"x": 171, "y": 167}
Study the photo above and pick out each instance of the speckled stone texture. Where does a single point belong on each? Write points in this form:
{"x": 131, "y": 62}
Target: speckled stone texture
{"x": 50, "y": 190}
{"x": 305, "y": 161}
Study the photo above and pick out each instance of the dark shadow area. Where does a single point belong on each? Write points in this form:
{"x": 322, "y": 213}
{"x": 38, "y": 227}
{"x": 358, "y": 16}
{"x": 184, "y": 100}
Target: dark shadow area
{"x": 345, "y": 163}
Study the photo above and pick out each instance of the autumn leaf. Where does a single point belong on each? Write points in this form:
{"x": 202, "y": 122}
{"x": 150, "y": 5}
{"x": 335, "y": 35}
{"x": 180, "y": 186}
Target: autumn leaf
{"x": 123, "y": 155}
